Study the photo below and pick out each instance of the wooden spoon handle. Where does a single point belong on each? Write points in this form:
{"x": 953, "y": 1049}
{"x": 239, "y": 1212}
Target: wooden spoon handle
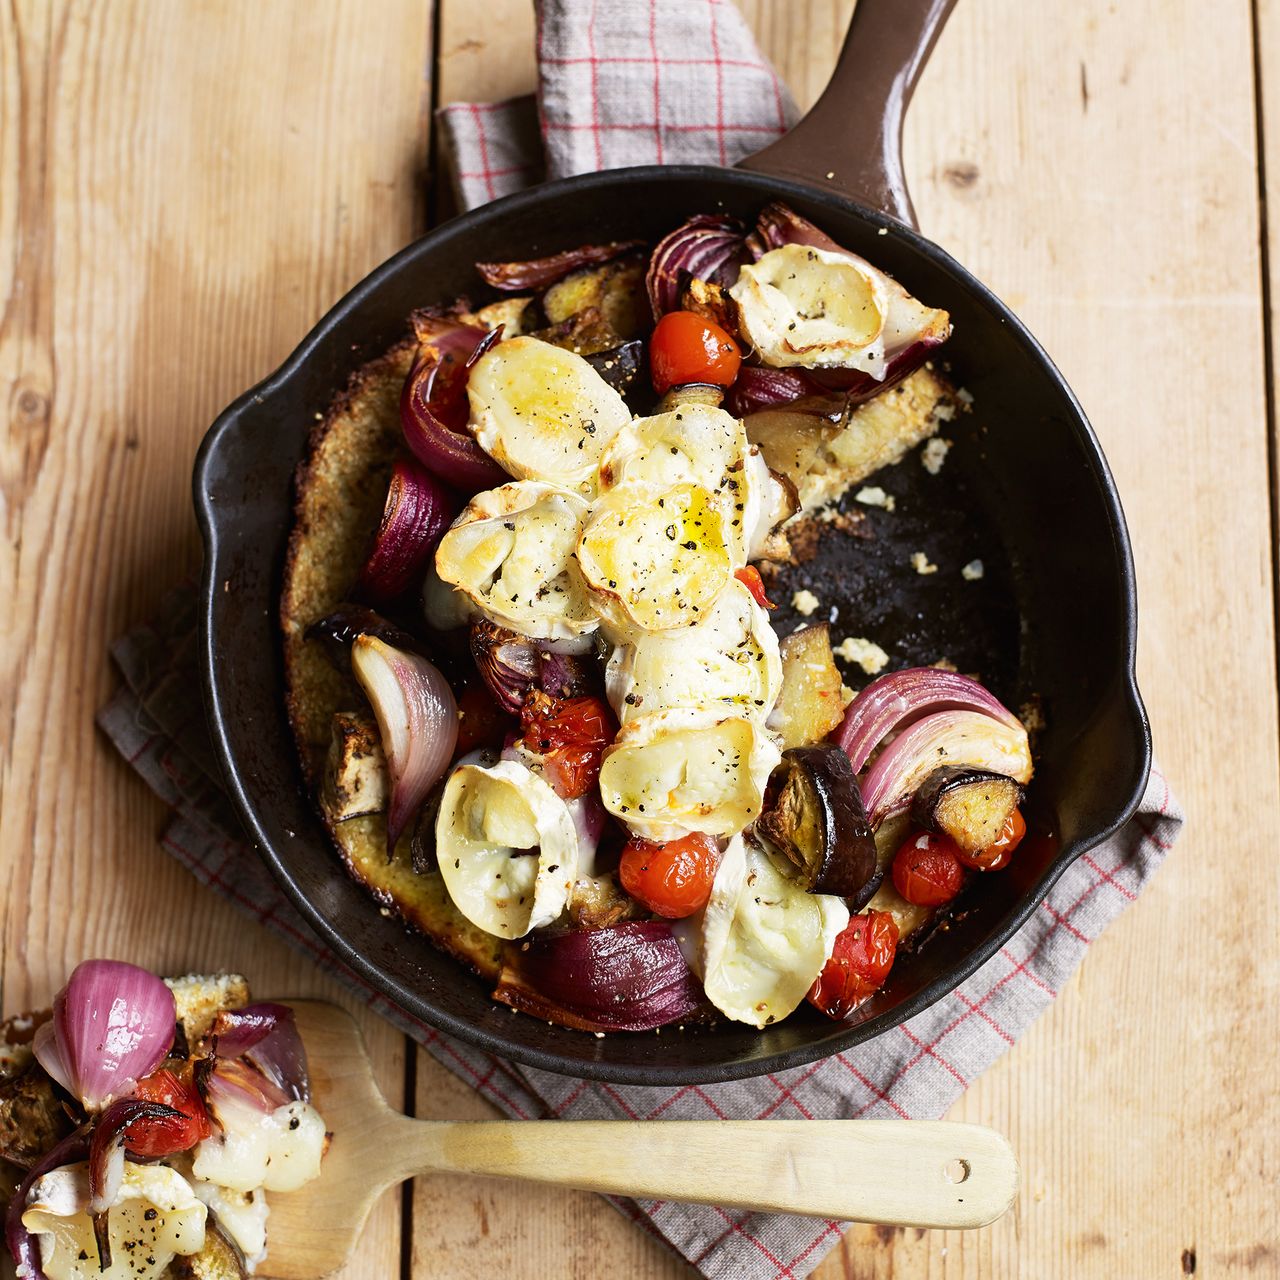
{"x": 909, "y": 1173}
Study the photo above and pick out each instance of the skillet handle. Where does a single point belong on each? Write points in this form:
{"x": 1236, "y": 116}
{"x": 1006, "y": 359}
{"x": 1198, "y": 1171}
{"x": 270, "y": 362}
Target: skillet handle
{"x": 851, "y": 140}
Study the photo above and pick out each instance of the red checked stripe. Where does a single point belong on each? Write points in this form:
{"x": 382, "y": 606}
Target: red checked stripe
{"x": 657, "y": 81}
{"x": 719, "y": 66}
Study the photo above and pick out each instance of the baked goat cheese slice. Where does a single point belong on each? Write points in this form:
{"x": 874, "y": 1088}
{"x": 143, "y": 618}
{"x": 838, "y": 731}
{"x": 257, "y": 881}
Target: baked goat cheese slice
{"x": 507, "y": 846}
{"x": 655, "y": 558}
{"x": 669, "y": 773}
{"x": 511, "y": 554}
{"x": 811, "y": 308}
{"x": 703, "y": 445}
{"x": 727, "y": 662}
{"x": 763, "y": 939}
{"x": 543, "y": 413}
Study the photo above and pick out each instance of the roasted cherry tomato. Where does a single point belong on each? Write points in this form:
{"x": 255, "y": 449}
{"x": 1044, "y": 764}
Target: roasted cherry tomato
{"x": 570, "y": 734}
{"x": 751, "y": 579}
{"x": 165, "y": 1135}
{"x": 481, "y": 721}
{"x": 688, "y": 348}
{"x": 997, "y": 856}
{"x": 671, "y": 879}
{"x": 927, "y": 870}
{"x": 860, "y": 961}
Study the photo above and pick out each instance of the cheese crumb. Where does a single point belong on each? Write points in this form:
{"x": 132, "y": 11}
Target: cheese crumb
{"x": 872, "y": 495}
{"x": 965, "y": 396}
{"x": 934, "y": 454}
{"x": 972, "y": 571}
{"x": 921, "y": 564}
{"x": 805, "y": 602}
{"x": 866, "y": 653}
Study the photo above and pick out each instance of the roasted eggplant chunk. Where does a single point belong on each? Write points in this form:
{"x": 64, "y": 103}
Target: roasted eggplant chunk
{"x": 355, "y": 780}
{"x": 32, "y": 1119}
{"x": 969, "y": 805}
{"x": 818, "y": 821}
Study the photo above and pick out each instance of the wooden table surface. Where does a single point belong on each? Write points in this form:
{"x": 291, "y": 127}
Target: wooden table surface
{"x": 185, "y": 187}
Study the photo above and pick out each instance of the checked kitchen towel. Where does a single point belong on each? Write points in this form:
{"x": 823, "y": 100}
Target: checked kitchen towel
{"x": 609, "y": 97}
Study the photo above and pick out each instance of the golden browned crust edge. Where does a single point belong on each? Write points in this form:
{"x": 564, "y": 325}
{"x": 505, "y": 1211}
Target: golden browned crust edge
{"x": 339, "y": 491}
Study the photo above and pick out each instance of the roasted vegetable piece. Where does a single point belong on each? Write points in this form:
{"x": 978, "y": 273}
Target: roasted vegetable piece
{"x": 969, "y": 805}
{"x": 927, "y": 870}
{"x": 997, "y": 856}
{"x": 355, "y": 775}
{"x": 811, "y": 704}
{"x": 538, "y": 273}
{"x": 570, "y": 735}
{"x": 599, "y": 902}
{"x": 619, "y": 366}
{"x": 152, "y": 1137}
{"x": 817, "y": 820}
{"x": 860, "y": 962}
{"x": 32, "y": 1119}
{"x": 690, "y": 348}
{"x": 614, "y": 290}
{"x": 751, "y": 579}
{"x": 218, "y": 1260}
{"x": 672, "y": 879}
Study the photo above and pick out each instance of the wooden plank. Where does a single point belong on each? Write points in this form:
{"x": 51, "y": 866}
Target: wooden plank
{"x": 1098, "y": 171}
{"x": 183, "y": 190}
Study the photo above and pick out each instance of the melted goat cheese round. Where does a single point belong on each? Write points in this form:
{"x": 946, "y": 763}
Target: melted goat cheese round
{"x": 702, "y": 445}
{"x": 764, "y": 940}
{"x": 728, "y": 662}
{"x": 813, "y": 308}
{"x": 542, "y": 412}
{"x": 655, "y": 558}
{"x": 507, "y": 847}
{"x": 279, "y": 1150}
{"x": 687, "y": 769}
{"x": 154, "y": 1218}
{"x": 510, "y": 553}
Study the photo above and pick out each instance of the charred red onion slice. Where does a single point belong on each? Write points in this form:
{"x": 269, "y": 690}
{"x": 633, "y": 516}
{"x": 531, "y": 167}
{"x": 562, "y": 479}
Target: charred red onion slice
{"x": 418, "y": 510}
{"x": 911, "y": 331}
{"x": 266, "y": 1036}
{"x": 232, "y": 1085}
{"x": 112, "y": 1024}
{"x": 110, "y": 1139}
{"x": 709, "y": 246}
{"x": 337, "y": 632}
{"x": 946, "y": 737}
{"x": 512, "y": 665}
{"x": 538, "y": 273}
{"x": 434, "y": 408}
{"x": 897, "y": 699}
{"x": 758, "y": 387}
{"x": 627, "y": 977}
{"x": 417, "y": 721}
{"x": 23, "y": 1246}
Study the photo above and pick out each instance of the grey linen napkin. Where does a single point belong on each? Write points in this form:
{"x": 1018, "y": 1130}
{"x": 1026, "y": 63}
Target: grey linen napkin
{"x": 626, "y": 83}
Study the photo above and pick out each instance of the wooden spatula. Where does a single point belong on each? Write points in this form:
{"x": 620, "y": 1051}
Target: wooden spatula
{"x": 910, "y": 1173}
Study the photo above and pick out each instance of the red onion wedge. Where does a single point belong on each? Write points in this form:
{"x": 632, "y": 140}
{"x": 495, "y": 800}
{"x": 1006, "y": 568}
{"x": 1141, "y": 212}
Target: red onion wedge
{"x": 972, "y": 738}
{"x": 112, "y": 1024}
{"x": 266, "y": 1036}
{"x": 627, "y": 977}
{"x": 418, "y": 511}
{"x": 709, "y": 246}
{"x": 107, "y": 1149}
{"x": 911, "y": 329}
{"x": 23, "y": 1245}
{"x": 233, "y": 1089}
{"x": 513, "y": 665}
{"x": 434, "y": 406}
{"x": 892, "y": 702}
{"x": 417, "y": 720}
{"x": 758, "y": 387}
{"x": 538, "y": 273}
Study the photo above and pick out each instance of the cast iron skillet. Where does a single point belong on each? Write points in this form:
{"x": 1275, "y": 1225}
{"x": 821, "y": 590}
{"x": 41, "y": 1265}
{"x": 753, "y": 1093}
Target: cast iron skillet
{"x": 1045, "y": 487}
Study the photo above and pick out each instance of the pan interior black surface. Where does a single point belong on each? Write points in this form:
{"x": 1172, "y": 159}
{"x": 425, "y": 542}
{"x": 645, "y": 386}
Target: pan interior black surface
{"x": 1037, "y": 477}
